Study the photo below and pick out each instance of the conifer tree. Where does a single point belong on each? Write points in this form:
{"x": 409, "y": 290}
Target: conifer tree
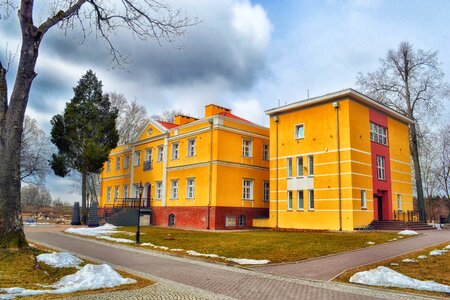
{"x": 85, "y": 133}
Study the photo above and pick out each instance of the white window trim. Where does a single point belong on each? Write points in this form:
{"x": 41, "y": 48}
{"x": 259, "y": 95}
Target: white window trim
{"x": 295, "y": 131}
{"x": 190, "y": 147}
{"x": 137, "y": 158}
{"x": 311, "y": 192}
{"x": 108, "y": 194}
{"x": 250, "y": 147}
{"x": 126, "y": 161}
{"x": 108, "y": 165}
{"x": 188, "y": 186}
{"x": 159, "y": 190}
{"x": 116, "y": 192}
{"x": 160, "y": 153}
{"x": 175, "y": 150}
{"x": 298, "y": 200}
{"x": 148, "y": 157}
{"x": 363, "y": 199}
{"x": 299, "y": 170}
{"x": 289, "y": 167}
{"x": 266, "y": 199}
{"x": 125, "y": 191}
{"x": 381, "y": 167}
{"x": 290, "y": 200}
{"x": 266, "y": 152}
{"x": 310, "y": 165}
{"x": 251, "y": 181}
{"x": 399, "y": 202}
{"x": 117, "y": 163}
{"x": 173, "y": 189}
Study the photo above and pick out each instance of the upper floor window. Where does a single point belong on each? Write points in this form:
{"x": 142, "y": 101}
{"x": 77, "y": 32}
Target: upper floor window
{"x": 289, "y": 167}
{"x": 116, "y": 193}
{"x": 191, "y": 147}
{"x": 126, "y": 161}
{"x": 246, "y": 148}
{"x": 265, "y": 154}
{"x": 148, "y": 154}
{"x": 300, "y": 166}
{"x": 266, "y": 191}
{"x": 117, "y": 163}
{"x": 174, "y": 189}
{"x": 381, "y": 168}
{"x": 108, "y": 165}
{"x": 137, "y": 158}
{"x": 190, "y": 188}
{"x": 310, "y": 165}
{"x": 159, "y": 190}
{"x": 378, "y": 134}
{"x": 108, "y": 194}
{"x": 175, "y": 150}
{"x": 299, "y": 131}
{"x": 247, "y": 189}
{"x": 160, "y": 153}
{"x": 125, "y": 191}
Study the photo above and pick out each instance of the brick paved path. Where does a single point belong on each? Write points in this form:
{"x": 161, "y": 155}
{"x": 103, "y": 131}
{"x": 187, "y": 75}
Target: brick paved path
{"x": 214, "y": 279}
{"x": 327, "y": 268}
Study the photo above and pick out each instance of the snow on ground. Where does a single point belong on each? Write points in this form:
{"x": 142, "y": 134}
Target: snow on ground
{"x": 34, "y": 224}
{"x": 408, "y": 232}
{"x": 112, "y": 239}
{"x": 59, "y": 259}
{"x": 437, "y": 252}
{"x": 195, "y": 253}
{"x": 246, "y": 261}
{"x": 409, "y": 260}
{"x": 87, "y": 278}
{"x": 383, "y": 276}
{"x": 447, "y": 247}
{"x": 93, "y": 231}
{"x": 422, "y": 257}
{"x": 370, "y": 243}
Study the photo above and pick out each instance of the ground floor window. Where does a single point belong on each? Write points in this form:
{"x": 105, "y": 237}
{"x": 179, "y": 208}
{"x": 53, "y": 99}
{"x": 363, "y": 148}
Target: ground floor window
{"x": 399, "y": 202}
{"x": 230, "y": 221}
{"x": 363, "y": 199}
{"x": 171, "y": 220}
{"x": 289, "y": 203}
{"x": 242, "y": 220}
{"x": 311, "y": 199}
{"x": 300, "y": 200}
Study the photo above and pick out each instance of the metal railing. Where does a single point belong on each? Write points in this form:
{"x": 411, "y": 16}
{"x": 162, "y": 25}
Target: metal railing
{"x": 147, "y": 165}
{"x": 121, "y": 203}
{"x": 406, "y": 215}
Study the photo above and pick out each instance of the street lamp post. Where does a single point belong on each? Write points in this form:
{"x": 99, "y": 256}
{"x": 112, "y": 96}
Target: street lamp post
{"x": 138, "y": 233}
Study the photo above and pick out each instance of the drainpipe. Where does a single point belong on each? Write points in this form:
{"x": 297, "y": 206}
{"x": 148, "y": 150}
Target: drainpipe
{"x": 276, "y": 119}
{"x": 336, "y": 106}
{"x": 211, "y": 123}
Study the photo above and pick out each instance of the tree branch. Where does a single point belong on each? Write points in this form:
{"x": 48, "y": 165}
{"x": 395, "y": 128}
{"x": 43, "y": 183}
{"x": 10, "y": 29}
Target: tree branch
{"x": 61, "y": 15}
{"x": 3, "y": 92}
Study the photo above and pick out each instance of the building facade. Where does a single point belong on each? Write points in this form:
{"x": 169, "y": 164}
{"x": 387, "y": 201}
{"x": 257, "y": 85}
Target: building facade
{"x": 337, "y": 162}
{"x": 208, "y": 173}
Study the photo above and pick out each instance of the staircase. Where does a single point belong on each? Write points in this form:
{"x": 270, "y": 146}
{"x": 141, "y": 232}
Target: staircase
{"x": 399, "y": 225}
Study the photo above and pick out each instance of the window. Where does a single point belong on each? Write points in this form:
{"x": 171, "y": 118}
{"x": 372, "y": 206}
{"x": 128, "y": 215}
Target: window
{"x": 311, "y": 199}
{"x": 289, "y": 167}
{"x": 247, "y": 148}
{"x": 136, "y": 190}
{"x": 126, "y": 161}
{"x": 363, "y": 199}
{"x": 265, "y": 154}
{"x": 148, "y": 154}
{"x": 116, "y": 193}
{"x": 310, "y": 165}
{"x": 125, "y": 191}
{"x": 242, "y": 220}
{"x": 108, "y": 194}
{"x": 191, "y": 147}
{"x": 300, "y": 200}
{"x": 137, "y": 158}
{"x": 190, "y": 188}
{"x": 266, "y": 191}
{"x": 289, "y": 200}
{"x": 230, "y": 221}
{"x": 171, "y": 221}
{"x": 247, "y": 189}
{"x": 108, "y": 165}
{"x": 174, "y": 189}
{"x": 378, "y": 134}
{"x": 299, "y": 131}
{"x": 117, "y": 163}
{"x": 381, "y": 172}
{"x": 159, "y": 190}
{"x": 399, "y": 202}
{"x": 300, "y": 166}
{"x": 160, "y": 153}
{"x": 175, "y": 150}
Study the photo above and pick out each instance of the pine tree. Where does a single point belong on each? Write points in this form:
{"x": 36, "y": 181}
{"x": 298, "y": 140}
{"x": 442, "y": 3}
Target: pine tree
{"x": 85, "y": 133}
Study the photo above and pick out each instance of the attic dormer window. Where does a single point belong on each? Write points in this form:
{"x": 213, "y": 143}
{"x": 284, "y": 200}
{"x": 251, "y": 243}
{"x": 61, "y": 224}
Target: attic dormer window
{"x": 149, "y": 131}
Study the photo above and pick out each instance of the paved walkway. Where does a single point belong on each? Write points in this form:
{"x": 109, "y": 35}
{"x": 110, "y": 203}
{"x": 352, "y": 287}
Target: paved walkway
{"x": 203, "y": 279}
{"x": 327, "y": 268}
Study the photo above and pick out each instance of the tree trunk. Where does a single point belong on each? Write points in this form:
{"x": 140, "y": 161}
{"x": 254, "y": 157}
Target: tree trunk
{"x": 83, "y": 197}
{"x": 418, "y": 173}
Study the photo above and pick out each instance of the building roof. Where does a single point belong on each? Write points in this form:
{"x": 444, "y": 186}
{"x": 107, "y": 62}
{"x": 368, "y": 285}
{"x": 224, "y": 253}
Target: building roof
{"x": 168, "y": 125}
{"x": 336, "y": 96}
{"x": 230, "y": 115}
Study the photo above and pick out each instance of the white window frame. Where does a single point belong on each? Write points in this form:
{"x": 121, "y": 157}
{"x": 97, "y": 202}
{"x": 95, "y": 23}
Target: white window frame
{"x": 126, "y": 161}
{"x": 299, "y": 166}
{"x": 117, "y": 163}
{"x": 108, "y": 194}
{"x": 125, "y": 191}
{"x": 265, "y": 154}
{"x": 136, "y": 190}
{"x": 116, "y": 192}
{"x": 174, "y": 185}
{"x": 266, "y": 190}
{"x": 191, "y": 150}
{"x": 159, "y": 190}
{"x": 289, "y": 167}
{"x": 399, "y": 202}
{"x": 148, "y": 154}
{"x": 247, "y": 148}
{"x": 247, "y": 189}
{"x": 137, "y": 158}
{"x": 381, "y": 167}
{"x": 300, "y": 200}
{"x": 108, "y": 165}
{"x": 160, "y": 153}
{"x": 290, "y": 200}
{"x": 363, "y": 199}
{"x": 311, "y": 200}
{"x": 175, "y": 150}
{"x": 378, "y": 134}
{"x": 190, "y": 188}
{"x": 310, "y": 165}
{"x": 298, "y": 136}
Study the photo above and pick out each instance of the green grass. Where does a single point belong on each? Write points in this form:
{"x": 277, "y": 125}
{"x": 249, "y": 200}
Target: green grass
{"x": 436, "y": 268}
{"x": 19, "y": 268}
{"x": 275, "y": 246}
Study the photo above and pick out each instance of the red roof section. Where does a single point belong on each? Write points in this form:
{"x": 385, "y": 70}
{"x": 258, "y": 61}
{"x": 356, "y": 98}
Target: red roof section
{"x": 230, "y": 115}
{"x": 168, "y": 125}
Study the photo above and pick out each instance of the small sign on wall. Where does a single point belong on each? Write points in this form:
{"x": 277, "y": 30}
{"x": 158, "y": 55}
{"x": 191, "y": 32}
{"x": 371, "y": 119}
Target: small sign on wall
{"x": 230, "y": 221}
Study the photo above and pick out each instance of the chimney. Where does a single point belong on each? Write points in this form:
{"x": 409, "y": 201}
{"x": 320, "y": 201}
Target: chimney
{"x": 212, "y": 110}
{"x": 181, "y": 119}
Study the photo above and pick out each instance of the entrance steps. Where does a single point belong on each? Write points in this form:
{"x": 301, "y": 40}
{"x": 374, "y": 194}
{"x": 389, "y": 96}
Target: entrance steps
{"x": 400, "y": 225}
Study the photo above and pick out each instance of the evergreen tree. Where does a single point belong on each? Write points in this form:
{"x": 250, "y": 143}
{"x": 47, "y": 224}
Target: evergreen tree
{"x": 85, "y": 133}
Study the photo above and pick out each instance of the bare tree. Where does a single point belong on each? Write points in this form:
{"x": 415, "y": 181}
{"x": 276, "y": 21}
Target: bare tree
{"x": 443, "y": 169}
{"x": 412, "y": 83}
{"x": 146, "y": 19}
{"x": 168, "y": 115}
{"x": 35, "y": 153}
{"x": 35, "y": 196}
{"x": 131, "y": 120}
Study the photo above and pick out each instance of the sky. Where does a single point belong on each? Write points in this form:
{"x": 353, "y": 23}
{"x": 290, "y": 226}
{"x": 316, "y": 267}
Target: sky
{"x": 249, "y": 56}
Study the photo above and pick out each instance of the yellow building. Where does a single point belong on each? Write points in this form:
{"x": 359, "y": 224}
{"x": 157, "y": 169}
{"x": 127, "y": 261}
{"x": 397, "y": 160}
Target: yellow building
{"x": 337, "y": 161}
{"x": 208, "y": 173}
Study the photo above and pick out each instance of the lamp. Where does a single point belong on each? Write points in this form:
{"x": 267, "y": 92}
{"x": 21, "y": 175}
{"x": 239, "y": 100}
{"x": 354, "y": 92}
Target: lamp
{"x": 138, "y": 233}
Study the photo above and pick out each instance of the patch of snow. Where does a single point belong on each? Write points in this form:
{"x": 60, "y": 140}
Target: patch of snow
{"x": 246, "y": 261}
{"x": 147, "y": 244}
{"x": 422, "y": 257}
{"x": 383, "y": 276}
{"x": 93, "y": 231}
{"x": 408, "y": 232}
{"x": 112, "y": 239}
{"x": 370, "y": 243}
{"x": 409, "y": 260}
{"x": 394, "y": 264}
{"x": 177, "y": 250}
{"x": 59, "y": 259}
{"x": 161, "y": 247}
{"x": 195, "y": 253}
{"x": 437, "y": 252}
{"x": 87, "y": 278}
{"x": 447, "y": 247}
{"x": 391, "y": 240}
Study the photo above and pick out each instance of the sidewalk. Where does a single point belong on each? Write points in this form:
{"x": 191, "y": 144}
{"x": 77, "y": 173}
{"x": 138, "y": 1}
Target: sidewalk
{"x": 327, "y": 268}
{"x": 207, "y": 280}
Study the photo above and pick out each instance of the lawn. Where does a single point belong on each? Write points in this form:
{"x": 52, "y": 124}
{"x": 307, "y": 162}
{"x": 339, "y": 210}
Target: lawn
{"x": 436, "y": 268}
{"x": 19, "y": 268}
{"x": 275, "y": 246}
